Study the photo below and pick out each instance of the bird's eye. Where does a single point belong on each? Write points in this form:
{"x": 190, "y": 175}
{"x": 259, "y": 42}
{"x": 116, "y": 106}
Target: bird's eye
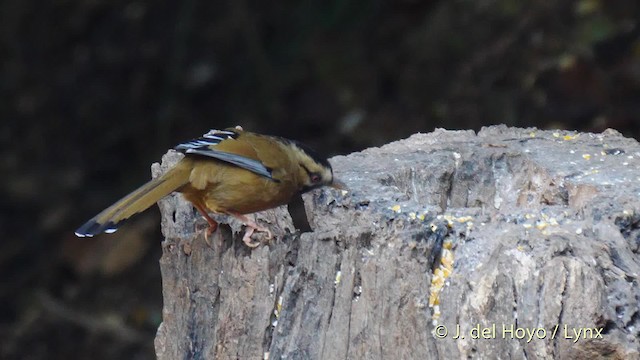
{"x": 314, "y": 177}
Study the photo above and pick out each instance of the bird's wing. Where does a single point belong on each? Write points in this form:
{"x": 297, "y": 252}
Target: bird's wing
{"x": 227, "y": 145}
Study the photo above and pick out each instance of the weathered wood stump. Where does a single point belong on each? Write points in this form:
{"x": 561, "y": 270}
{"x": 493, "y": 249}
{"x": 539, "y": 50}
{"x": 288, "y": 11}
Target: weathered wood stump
{"x": 526, "y": 242}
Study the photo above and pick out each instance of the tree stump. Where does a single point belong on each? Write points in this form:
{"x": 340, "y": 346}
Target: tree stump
{"x": 509, "y": 243}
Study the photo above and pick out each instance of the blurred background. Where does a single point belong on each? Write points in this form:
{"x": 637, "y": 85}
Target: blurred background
{"x": 94, "y": 91}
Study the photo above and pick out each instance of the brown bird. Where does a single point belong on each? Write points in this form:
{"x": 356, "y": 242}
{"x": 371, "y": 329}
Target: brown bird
{"x": 229, "y": 171}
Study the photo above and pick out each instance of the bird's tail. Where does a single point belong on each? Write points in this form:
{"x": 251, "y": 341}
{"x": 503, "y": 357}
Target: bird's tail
{"x": 138, "y": 201}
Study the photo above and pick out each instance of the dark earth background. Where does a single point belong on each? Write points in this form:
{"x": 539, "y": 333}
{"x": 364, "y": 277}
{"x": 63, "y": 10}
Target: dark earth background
{"x": 93, "y": 91}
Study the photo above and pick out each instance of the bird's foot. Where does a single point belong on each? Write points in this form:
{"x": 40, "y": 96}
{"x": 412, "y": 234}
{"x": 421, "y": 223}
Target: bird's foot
{"x": 209, "y": 228}
{"x": 251, "y": 228}
{"x": 208, "y": 232}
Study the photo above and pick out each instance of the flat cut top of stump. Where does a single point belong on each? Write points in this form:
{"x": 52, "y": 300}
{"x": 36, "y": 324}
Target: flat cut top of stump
{"x": 526, "y": 242}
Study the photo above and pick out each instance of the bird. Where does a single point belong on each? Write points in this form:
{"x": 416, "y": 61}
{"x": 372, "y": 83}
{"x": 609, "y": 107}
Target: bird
{"x": 232, "y": 172}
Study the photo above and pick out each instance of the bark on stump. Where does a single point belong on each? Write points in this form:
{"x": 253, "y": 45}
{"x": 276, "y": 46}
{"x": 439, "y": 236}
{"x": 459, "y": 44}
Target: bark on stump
{"x": 543, "y": 229}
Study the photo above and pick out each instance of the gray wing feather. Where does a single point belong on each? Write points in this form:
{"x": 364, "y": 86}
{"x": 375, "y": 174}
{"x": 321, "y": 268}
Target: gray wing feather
{"x": 241, "y": 161}
{"x": 202, "y": 146}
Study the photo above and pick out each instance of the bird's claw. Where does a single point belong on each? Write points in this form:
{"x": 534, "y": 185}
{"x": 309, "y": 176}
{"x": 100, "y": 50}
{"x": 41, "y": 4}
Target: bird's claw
{"x": 208, "y": 231}
{"x": 250, "y": 230}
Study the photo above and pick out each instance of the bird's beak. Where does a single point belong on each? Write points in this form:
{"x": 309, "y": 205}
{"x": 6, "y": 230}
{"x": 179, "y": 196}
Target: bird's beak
{"x": 337, "y": 184}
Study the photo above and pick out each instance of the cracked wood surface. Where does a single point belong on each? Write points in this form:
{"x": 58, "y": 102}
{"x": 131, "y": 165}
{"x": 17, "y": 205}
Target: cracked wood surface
{"x": 543, "y": 227}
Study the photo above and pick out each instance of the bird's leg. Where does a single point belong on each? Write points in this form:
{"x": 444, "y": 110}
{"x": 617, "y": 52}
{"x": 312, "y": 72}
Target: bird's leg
{"x": 251, "y": 227}
{"x": 213, "y": 225}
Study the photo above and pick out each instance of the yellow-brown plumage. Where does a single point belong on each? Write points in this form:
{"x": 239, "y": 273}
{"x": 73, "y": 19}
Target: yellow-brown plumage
{"x": 232, "y": 171}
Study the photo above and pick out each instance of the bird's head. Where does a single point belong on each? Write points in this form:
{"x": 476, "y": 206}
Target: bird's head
{"x": 314, "y": 170}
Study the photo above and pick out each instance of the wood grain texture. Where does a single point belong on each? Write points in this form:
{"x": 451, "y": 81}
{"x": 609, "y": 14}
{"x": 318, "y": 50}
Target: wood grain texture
{"x": 543, "y": 229}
